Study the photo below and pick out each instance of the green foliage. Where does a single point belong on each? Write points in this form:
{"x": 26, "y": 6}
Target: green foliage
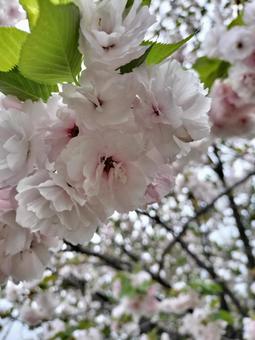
{"x": 144, "y": 3}
{"x": 211, "y": 69}
{"x": 238, "y": 21}
{"x": 135, "y": 63}
{"x": 223, "y": 315}
{"x": 11, "y": 41}
{"x": 160, "y": 52}
{"x": 206, "y": 287}
{"x": 14, "y": 83}
{"x": 32, "y": 9}
{"x": 50, "y": 54}
{"x": 67, "y": 334}
{"x": 47, "y": 281}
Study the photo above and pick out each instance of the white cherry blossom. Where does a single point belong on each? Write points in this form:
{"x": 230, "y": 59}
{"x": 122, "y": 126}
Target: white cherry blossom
{"x": 103, "y": 99}
{"x": 111, "y": 34}
{"x": 47, "y": 203}
{"x": 114, "y": 168}
{"x": 171, "y": 107}
{"x": 20, "y": 146}
{"x": 237, "y": 43}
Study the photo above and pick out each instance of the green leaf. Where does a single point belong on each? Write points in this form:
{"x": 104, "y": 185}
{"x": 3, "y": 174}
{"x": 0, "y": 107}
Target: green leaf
{"x": 160, "y": 52}
{"x": 61, "y": 2}
{"x": 206, "y": 287}
{"x": 144, "y": 3}
{"x": 13, "y": 83}
{"x": 11, "y": 41}
{"x": 135, "y": 63}
{"x": 223, "y": 315}
{"x": 211, "y": 69}
{"x": 50, "y": 54}
{"x": 238, "y": 21}
{"x": 32, "y": 9}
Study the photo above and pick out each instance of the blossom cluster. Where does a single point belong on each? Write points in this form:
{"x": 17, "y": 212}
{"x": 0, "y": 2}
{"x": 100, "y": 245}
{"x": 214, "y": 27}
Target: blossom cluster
{"x": 10, "y": 12}
{"x": 106, "y": 144}
{"x": 233, "y": 105}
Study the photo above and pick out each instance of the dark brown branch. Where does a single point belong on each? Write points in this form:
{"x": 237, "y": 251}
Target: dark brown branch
{"x": 111, "y": 261}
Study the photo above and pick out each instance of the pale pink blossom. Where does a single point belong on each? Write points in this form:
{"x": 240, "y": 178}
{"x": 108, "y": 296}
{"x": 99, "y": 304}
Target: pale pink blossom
{"x": 31, "y": 315}
{"x": 237, "y": 43}
{"x": 60, "y": 131}
{"x": 249, "y": 13}
{"x": 24, "y": 255}
{"x": 113, "y": 167}
{"x": 228, "y": 115}
{"x": 21, "y": 147}
{"x": 242, "y": 80}
{"x": 103, "y": 99}
{"x": 248, "y": 329}
{"x": 109, "y": 35}
{"x": 47, "y": 203}
{"x": 7, "y": 200}
{"x": 161, "y": 185}
{"x": 210, "y": 43}
{"x": 10, "y": 12}
{"x": 200, "y": 327}
{"x": 179, "y": 304}
{"x": 171, "y": 107}
{"x": 140, "y": 305}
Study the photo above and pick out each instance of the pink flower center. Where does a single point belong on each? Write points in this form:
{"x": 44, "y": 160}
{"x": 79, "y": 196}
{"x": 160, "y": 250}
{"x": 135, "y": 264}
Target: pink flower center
{"x": 109, "y": 163}
{"x": 73, "y": 131}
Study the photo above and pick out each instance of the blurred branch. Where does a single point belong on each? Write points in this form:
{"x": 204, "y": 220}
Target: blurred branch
{"x": 239, "y": 223}
{"x": 116, "y": 263}
{"x": 201, "y": 212}
{"x": 111, "y": 261}
{"x": 200, "y": 263}
{"x": 154, "y": 276}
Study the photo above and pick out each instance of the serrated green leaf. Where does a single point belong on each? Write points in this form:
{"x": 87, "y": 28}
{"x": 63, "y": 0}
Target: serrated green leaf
{"x": 160, "y": 52}
{"x": 11, "y": 41}
{"x": 32, "y": 9}
{"x": 135, "y": 63}
{"x": 211, "y": 69}
{"x": 50, "y": 54}
{"x": 13, "y": 83}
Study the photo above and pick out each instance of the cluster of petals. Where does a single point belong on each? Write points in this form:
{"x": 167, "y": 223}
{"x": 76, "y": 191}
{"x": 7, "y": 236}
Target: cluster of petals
{"x": 105, "y": 145}
{"x": 233, "y": 104}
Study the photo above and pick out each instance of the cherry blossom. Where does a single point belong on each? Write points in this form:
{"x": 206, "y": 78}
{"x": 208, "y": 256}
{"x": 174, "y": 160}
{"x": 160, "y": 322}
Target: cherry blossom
{"x": 48, "y": 204}
{"x": 171, "y": 108}
{"x": 228, "y": 114}
{"x": 110, "y": 34}
{"x": 237, "y": 44}
{"x": 103, "y": 99}
{"x": 114, "y": 169}
{"x": 20, "y": 146}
